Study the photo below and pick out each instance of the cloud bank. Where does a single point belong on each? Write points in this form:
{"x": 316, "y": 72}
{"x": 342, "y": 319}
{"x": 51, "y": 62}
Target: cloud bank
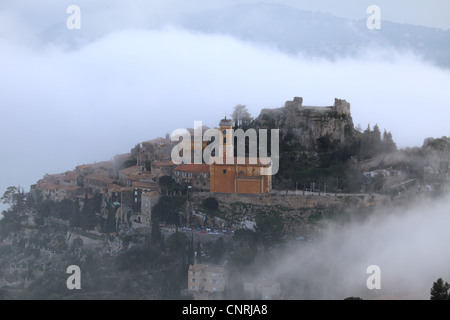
{"x": 408, "y": 244}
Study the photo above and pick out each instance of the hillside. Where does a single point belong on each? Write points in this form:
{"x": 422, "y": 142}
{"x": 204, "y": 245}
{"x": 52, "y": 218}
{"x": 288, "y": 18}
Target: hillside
{"x": 318, "y": 34}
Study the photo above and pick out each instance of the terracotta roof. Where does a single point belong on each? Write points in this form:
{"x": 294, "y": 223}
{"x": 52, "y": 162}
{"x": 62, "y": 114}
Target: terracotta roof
{"x": 114, "y": 188}
{"x": 167, "y": 163}
{"x": 151, "y": 193}
{"x": 70, "y": 188}
{"x": 145, "y": 185}
{"x": 140, "y": 176}
{"x": 127, "y": 189}
{"x": 192, "y": 167}
{"x": 70, "y": 175}
{"x": 98, "y": 177}
{"x": 131, "y": 170}
{"x": 47, "y": 186}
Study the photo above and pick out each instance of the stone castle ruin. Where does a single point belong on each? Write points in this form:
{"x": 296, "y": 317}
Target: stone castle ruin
{"x": 308, "y": 123}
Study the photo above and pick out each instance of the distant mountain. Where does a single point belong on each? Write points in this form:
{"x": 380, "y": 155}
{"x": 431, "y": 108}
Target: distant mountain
{"x": 318, "y": 34}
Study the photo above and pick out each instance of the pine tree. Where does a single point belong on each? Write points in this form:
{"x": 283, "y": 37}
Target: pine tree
{"x": 388, "y": 141}
{"x": 439, "y": 291}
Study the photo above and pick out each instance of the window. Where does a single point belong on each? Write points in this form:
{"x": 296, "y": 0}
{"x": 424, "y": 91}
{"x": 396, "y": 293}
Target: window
{"x": 204, "y": 175}
{"x": 224, "y": 171}
{"x": 193, "y": 280}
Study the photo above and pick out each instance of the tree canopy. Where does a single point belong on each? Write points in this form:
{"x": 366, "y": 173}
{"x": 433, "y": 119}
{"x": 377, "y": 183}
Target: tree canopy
{"x": 241, "y": 116}
{"x": 439, "y": 291}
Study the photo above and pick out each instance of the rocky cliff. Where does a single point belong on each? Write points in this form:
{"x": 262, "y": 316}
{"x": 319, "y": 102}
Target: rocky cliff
{"x": 307, "y": 123}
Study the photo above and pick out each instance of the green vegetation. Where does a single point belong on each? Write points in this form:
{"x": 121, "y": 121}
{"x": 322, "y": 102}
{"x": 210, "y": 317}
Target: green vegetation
{"x": 168, "y": 209}
{"x": 439, "y": 291}
{"x": 269, "y": 227}
{"x": 211, "y": 203}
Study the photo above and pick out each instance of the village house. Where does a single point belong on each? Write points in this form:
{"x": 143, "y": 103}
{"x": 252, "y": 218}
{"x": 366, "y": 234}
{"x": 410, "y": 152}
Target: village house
{"x": 144, "y": 177}
{"x": 207, "y": 279}
{"x": 69, "y": 178}
{"x": 96, "y": 183}
{"x": 162, "y": 168}
{"x": 141, "y": 195}
{"x": 148, "y": 200}
{"x": 134, "y": 173}
{"x": 103, "y": 168}
{"x": 195, "y": 176}
{"x": 242, "y": 175}
{"x": 55, "y": 192}
{"x": 158, "y": 149}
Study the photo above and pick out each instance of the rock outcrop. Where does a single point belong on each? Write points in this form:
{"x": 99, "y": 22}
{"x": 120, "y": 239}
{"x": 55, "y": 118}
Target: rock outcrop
{"x": 307, "y": 123}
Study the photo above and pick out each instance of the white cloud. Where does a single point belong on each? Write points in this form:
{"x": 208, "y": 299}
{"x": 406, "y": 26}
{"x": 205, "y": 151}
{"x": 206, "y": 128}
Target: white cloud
{"x": 408, "y": 243}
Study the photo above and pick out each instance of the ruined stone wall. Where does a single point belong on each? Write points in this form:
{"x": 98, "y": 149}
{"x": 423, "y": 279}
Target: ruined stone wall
{"x": 306, "y": 123}
{"x": 298, "y": 211}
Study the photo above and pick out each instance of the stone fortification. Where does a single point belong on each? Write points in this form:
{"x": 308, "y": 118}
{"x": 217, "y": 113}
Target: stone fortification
{"x": 308, "y": 123}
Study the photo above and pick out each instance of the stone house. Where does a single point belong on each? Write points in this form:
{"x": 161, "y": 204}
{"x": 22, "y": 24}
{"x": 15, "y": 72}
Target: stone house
{"x": 195, "y": 176}
{"x": 69, "y": 178}
{"x": 162, "y": 168}
{"x": 57, "y": 192}
{"x": 134, "y": 173}
{"x": 207, "y": 278}
{"x": 96, "y": 183}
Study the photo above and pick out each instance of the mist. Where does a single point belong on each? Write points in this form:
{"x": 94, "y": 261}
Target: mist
{"x": 69, "y": 97}
{"x": 409, "y": 245}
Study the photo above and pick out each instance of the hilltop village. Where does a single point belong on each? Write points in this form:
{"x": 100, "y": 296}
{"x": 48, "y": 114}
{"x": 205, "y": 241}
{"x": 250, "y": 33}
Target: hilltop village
{"x": 134, "y": 182}
{"x": 196, "y": 230}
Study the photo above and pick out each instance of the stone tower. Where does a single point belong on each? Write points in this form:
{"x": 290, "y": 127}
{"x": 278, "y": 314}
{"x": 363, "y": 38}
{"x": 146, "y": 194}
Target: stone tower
{"x": 226, "y": 137}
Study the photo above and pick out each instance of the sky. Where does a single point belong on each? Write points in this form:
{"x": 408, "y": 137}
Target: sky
{"x": 133, "y": 75}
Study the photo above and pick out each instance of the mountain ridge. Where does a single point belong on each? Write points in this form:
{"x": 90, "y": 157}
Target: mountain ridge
{"x": 317, "y": 33}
